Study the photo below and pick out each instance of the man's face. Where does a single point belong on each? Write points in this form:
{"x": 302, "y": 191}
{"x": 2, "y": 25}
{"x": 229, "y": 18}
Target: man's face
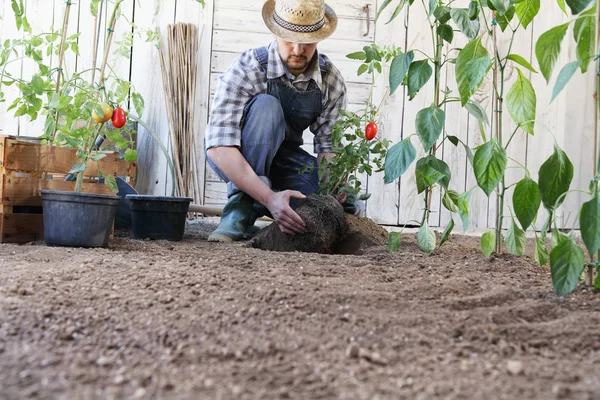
{"x": 296, "y": 56}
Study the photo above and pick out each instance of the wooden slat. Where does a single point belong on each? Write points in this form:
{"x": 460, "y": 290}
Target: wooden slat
{"x": 30, "y": 157}
{"x": 21, "y": 228}
{"x": 342, "y": 8}
{"x": 348, "y": 68}
{"x": 252, "y": 21}
{"x": 235, "y": 42}
{"x": 26, "y": 191}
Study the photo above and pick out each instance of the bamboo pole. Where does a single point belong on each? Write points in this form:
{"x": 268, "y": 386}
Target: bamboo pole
{"x": 61, "y": 54}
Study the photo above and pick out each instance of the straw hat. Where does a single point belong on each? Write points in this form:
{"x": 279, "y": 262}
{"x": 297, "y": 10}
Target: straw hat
{"x": 299, "y": 21}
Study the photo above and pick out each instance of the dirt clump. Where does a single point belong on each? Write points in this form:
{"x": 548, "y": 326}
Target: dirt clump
{"x": 325, "y": 226}
{"x": 329, "y": 231}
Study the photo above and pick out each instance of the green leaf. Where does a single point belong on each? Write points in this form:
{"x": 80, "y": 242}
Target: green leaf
{"x": 79, "y": 167}
{"x": 94, "y": 7}
{"x": 429, "y": 125}
{"x": 130, "y": 155}
{"x": 578, "y": 6}
{"x": 397, "y": 11}
{"x": 521, "y": 61}
{"x": 398, "y": 159}
{"x": 75, "y": 48}
{"x": 399, "y": 68}
{"x": 489, "y": 164}
{"x": 460, "y": 16}
{"x": 501, "y": 5}
{"x": 527, "y": 10}
{"x": 475, "y": 109}
{"x": 557, "y": 238}
{"x": 562, "y": 5}
{"x": 564, "y": 77}
{"x": 450, "y": 201}
{"x": 504, "y": 19}
{"x": 526, "y": 201}
{"x": 427, "y": 238}
{"x": 419, "y": 74}
{"x": 394, "y": 240}
{"x": 488, "y": 243}
{"x": 37, "y": 85}
{"x": 547, "y": 49}
{"x": 447, "y": 232}
{"x": 431, "y": 170}
{"x": 98, "y": 156}
{"x": 359, "y": 55}
{"x": 442, "y": 14}
{"x": 362, "y": 69}
{"x": 589, "y": 222}
{"x": 111, "y": 183}
{"x": 566, "y": 265}
{"x": 463, "y": 207}
{"x": 432, "y": 6}
{"x": 446, "y": 32}
{"x": 138, "y": 103}
{"x": 472, "y": 64}
{"x": 515, "y": 240}
{"x": 541, "y": 252}
{"x": 555, "y": 177}
{"x": 584, "y": 32}
{"x": 521, "y": 103}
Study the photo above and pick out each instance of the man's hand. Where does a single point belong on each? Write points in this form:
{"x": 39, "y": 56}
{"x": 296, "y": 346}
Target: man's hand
{"x": 286, "y": 218}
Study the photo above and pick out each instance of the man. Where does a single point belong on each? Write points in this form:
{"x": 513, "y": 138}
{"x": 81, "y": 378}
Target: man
{"x": 262, "y": 105}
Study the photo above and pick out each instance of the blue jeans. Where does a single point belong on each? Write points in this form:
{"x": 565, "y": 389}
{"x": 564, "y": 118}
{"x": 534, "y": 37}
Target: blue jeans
{"x": 276, "y": 162}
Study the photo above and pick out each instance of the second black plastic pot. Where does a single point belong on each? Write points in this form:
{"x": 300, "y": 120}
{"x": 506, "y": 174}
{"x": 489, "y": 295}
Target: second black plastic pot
{"x": 78, "y": 219}
{"x": 158, "y": 217}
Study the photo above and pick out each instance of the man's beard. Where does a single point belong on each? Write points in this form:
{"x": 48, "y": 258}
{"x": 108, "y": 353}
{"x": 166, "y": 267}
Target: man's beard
{"x": 297, "y": 62}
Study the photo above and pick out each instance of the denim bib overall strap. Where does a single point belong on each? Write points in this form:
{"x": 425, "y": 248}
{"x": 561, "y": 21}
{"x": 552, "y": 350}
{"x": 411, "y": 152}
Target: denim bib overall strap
{"x": 300, "y": 110}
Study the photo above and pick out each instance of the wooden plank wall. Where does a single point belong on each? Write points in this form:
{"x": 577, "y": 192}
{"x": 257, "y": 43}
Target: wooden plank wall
{"x": 232, "y": 26}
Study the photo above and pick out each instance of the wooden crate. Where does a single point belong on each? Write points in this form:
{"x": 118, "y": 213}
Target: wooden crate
{"x": 26, "y": 167}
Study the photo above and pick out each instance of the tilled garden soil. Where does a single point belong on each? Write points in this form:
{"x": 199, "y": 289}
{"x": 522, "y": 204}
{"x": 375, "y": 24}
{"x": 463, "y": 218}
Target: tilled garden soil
{"x": 200, "y": 320}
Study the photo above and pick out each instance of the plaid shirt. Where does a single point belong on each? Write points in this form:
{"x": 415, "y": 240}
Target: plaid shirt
{"x": 246, "y": 79}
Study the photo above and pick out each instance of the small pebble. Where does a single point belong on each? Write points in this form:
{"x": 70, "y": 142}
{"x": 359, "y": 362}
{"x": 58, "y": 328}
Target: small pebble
{"x": 514, "y": 367}
{"x": 352, "y": 351}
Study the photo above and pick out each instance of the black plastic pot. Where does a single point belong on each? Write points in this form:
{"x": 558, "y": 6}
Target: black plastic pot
{"x": 78, "y": 219}
{"x": 158, "y": 217}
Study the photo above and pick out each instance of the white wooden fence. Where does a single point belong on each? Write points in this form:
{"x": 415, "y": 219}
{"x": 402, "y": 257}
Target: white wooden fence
{"x": 231, "y": 26}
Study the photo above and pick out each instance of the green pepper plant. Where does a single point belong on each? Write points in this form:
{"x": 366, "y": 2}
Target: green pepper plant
{"x": 567, "y": 259}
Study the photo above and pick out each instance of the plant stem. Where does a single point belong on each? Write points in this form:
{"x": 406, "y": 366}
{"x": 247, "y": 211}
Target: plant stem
{"x": 437, "y": 63}
{"x": 87, "y": 150}
{"x": 111, "y": 30}
{"x": 597, "y": 109}
{"x": 61, "y": 58}
{"x": 61, "y": 53}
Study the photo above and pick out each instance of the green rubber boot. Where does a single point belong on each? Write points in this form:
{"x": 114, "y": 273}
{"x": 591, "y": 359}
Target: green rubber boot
{"x": 234, "y": 220}
{"x": 258, "y": 210}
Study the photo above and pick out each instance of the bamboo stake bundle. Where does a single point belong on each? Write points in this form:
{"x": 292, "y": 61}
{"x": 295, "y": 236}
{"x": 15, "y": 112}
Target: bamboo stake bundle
{"x": 179, "y": 69}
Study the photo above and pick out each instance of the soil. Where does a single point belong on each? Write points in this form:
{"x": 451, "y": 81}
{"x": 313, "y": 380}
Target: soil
{"x": 193, "y": 319}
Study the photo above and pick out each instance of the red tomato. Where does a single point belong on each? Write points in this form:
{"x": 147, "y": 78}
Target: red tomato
{"x": 371, "y": 130}
{"x": 119, "y": 118}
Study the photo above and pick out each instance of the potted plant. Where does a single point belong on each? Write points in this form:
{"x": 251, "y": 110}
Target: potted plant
{"x": 77, "y": 112}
